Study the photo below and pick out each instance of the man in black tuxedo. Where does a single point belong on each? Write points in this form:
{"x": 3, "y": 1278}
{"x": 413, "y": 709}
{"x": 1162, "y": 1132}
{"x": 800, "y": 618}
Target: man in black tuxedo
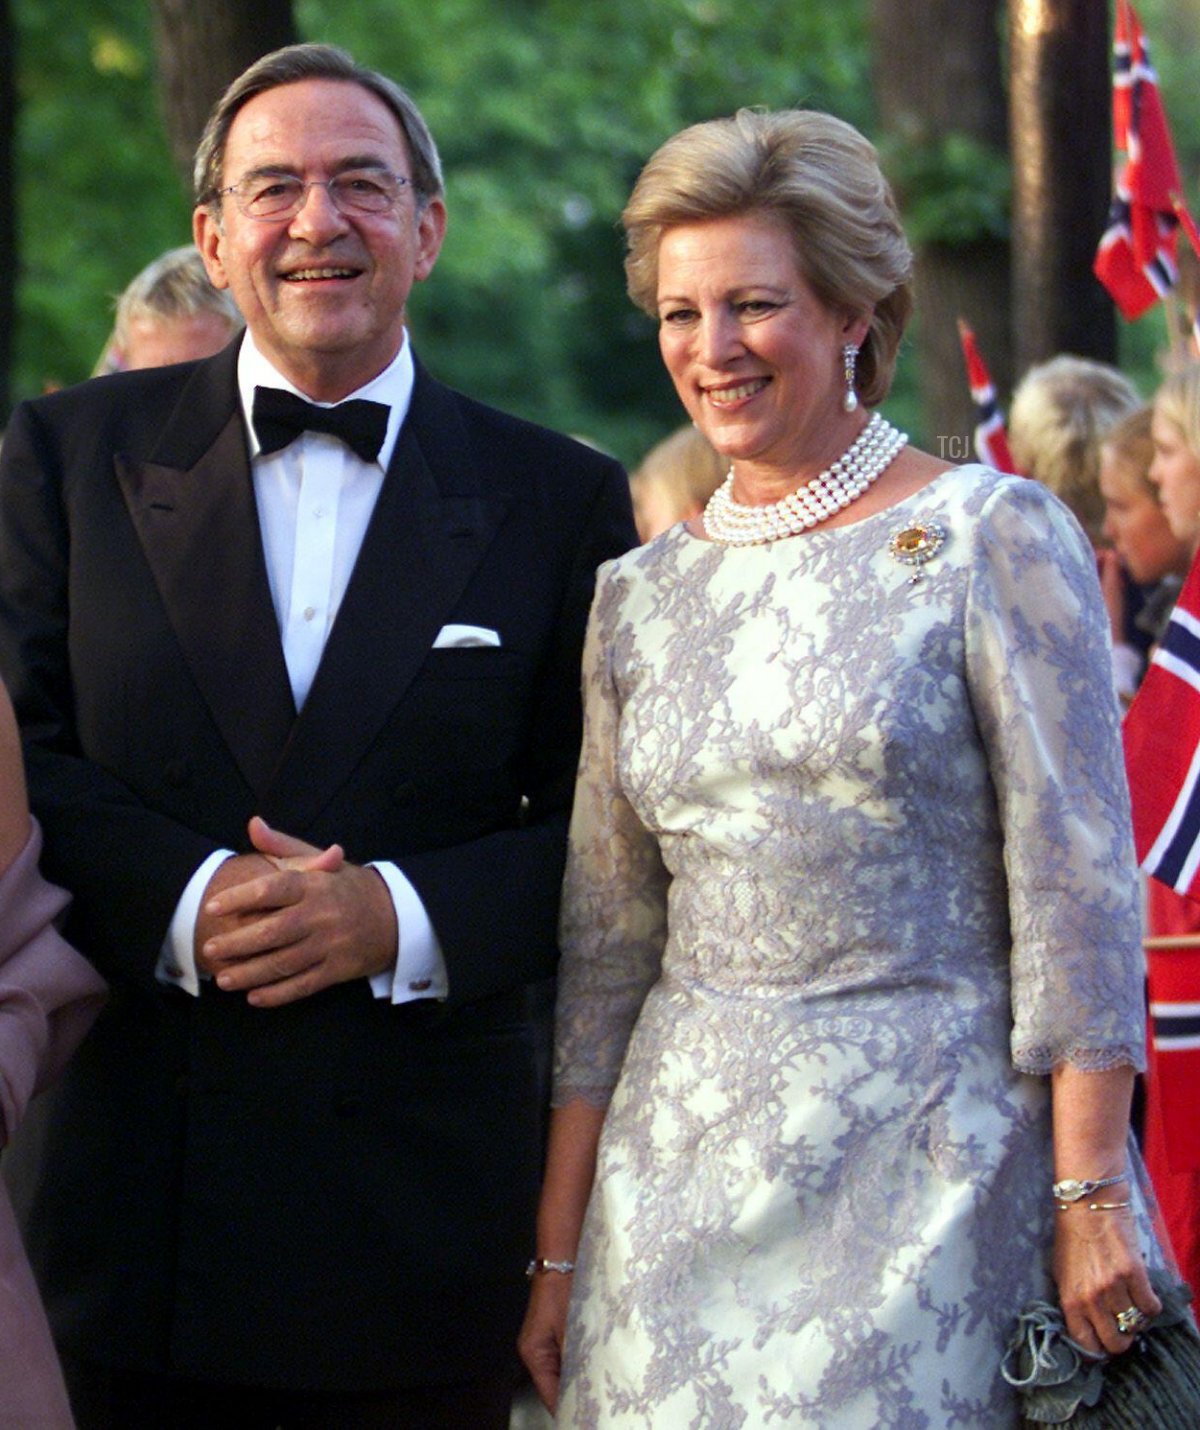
{"x": 298, "y": 685}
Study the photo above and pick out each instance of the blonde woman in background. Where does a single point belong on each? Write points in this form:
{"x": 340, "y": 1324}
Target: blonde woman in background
{"x": 675, "y": 480}
{"x": 1172, "y": 1122}
{"x": 1175, "y": 470}
{"x": 1060, "y": 413}
{"x": 1142, "y": 546}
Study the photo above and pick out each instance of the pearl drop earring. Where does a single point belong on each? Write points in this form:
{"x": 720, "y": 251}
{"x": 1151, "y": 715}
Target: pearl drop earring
{"x": 849, "y": 362}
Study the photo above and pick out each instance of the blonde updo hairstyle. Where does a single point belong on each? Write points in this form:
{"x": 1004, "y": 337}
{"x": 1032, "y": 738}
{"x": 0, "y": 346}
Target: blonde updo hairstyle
{"x": 821, "y": 180}
{"x": 1177, "y": 401}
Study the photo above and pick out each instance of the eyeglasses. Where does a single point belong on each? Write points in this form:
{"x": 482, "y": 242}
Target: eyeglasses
{"x": 274, "y": 197}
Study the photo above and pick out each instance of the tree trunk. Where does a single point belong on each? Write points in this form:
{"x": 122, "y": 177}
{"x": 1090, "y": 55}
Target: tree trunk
{"x": 1061, "y": 117}
{"x": 8, "y": 217}
{"x": 202, "y": 45}
{"x": 938, "y": 80}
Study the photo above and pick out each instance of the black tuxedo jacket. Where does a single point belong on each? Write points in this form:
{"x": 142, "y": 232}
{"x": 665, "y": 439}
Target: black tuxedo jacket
{"x": 339, "y": 1193}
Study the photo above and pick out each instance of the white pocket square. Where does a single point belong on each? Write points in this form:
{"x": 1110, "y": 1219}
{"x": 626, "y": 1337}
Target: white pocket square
{"x": 459, "y": 636}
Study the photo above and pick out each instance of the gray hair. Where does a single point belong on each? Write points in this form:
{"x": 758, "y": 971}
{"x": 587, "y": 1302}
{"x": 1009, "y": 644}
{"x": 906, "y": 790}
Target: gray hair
{"x": 175, "y": 285}
{"x": 816, "y": 174}
{"x": 300, "y": 62}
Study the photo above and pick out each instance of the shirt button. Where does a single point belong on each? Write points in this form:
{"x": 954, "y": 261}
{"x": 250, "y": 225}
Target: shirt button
{"x": 309, "y": 612}
{"x": 318, "y": 512}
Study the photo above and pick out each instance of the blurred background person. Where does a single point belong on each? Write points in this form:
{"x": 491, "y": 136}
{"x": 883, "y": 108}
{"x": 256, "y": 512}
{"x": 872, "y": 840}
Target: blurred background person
{"x": 169, "y": 312}
{"x": 1142, "y": 546}
{"x": 1171, "y": 1139}
{"x": 49, "y": 995}
{"x": 675, "y": 480}
{"x": 1060, "y": 413}
{"x": 1175, "y": 469}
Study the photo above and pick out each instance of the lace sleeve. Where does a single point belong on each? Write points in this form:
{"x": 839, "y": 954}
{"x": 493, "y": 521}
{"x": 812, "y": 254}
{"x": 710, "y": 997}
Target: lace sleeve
{"x": 613, "y": 924}
{"x": 1040, "y": 678}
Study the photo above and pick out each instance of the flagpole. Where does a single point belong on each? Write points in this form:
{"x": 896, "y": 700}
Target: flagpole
{"x": 1172, "y": 940}
{"x": 1175, "y": 342}
{"x": 1187, "y": 222}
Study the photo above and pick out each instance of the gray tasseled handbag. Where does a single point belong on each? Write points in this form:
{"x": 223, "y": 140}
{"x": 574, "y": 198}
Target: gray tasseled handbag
{"x": 1156, "y": 1383}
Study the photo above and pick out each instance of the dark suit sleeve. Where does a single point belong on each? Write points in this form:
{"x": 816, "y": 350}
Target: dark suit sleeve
{"x": 125, "y": 864}
{"x": 494, "y": 901}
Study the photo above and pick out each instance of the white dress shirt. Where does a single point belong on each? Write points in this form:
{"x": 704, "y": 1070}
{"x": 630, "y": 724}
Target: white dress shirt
{"x": 315, "y": 498}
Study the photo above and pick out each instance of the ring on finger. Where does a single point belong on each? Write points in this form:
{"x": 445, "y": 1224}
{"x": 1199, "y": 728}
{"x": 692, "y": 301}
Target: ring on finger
{"x": 1130, "y": 1320}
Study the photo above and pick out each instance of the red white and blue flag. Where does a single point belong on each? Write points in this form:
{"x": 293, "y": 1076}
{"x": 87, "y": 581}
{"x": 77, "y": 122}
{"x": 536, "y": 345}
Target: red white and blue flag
{"x": 1136, "y": 257}
{"x": 1161, "y": 732}
{"x": 991, "y": 436}
{"x": 1173, "y": 969}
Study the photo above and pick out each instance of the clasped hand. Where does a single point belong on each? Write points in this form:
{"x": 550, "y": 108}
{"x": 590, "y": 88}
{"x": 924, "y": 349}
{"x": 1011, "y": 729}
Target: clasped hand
{"x": 284, "y": 922}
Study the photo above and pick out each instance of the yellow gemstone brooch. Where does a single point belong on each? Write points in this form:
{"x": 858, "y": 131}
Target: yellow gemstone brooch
{"x": 916, "y": 545}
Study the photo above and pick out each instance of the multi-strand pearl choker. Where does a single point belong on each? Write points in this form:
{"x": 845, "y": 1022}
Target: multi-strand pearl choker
{"x": 871, "y": 453}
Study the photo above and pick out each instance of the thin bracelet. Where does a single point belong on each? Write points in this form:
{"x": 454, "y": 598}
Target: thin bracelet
{"x": 1096, "y": 1206}
{"x": 541, "y": 1264}
{"x": 1071, "y": 1189}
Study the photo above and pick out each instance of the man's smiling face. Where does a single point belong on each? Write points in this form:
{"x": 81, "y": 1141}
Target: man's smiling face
{"x": 323, "y": 294}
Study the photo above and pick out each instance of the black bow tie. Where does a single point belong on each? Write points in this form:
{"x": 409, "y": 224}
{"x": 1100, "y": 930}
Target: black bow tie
{"x": 280, "y": 417}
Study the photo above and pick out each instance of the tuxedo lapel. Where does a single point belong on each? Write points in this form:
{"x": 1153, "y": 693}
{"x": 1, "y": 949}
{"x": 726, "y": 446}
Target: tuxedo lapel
{"x": 431, "y": 526}
{"x": 194, "y": 512}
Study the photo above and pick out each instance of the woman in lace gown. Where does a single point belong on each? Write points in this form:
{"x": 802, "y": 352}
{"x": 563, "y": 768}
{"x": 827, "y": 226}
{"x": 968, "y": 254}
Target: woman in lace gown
{"x": 850, "y": 966}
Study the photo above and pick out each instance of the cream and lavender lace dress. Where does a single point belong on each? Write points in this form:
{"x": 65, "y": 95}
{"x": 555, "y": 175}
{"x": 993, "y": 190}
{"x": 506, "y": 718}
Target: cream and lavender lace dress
{"x": 850, "y": 872}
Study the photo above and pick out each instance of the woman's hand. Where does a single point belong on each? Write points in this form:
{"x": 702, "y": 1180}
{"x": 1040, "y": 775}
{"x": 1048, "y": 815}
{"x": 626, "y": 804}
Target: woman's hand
{"x": 1100, "y": 1273}
{"x": 541, "y": 1340}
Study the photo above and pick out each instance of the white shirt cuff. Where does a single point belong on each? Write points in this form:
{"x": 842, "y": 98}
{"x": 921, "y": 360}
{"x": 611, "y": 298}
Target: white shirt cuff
{"x": 420, "y": 970}
{"x": 177, "y": 959}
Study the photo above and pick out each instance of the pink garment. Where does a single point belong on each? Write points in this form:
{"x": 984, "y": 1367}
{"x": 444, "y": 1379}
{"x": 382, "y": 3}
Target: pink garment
{"x": 49, "y": 996}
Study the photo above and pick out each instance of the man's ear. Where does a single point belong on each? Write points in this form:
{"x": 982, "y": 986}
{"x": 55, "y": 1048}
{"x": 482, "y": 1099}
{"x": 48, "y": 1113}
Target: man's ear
{"x": 431, "y": 233}
{"x": 209, "y": 237}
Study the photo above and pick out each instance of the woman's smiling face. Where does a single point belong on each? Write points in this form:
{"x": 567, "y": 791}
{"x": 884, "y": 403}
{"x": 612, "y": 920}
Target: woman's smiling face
{"x": 755, "y": 355}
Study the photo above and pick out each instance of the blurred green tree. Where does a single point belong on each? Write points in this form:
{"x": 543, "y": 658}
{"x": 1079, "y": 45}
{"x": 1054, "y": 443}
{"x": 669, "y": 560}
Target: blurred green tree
{"x": 200, "y": 49}
{"x": 544, "y": 111}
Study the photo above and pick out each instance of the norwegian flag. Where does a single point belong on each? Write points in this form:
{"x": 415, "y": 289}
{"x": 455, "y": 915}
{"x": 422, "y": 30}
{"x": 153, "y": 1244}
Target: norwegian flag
{"x": 1161, "y": 733}
{"x": 991, "y": 437}
{"x": 1136, "y": 257}
{"x": 1172, "y": 1126}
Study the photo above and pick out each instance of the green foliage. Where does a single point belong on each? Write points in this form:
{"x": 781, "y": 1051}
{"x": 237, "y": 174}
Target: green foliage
{"x": 544, "y": 110}
{"x": 955, "y": 191}
{"x": 96, "y": 195}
